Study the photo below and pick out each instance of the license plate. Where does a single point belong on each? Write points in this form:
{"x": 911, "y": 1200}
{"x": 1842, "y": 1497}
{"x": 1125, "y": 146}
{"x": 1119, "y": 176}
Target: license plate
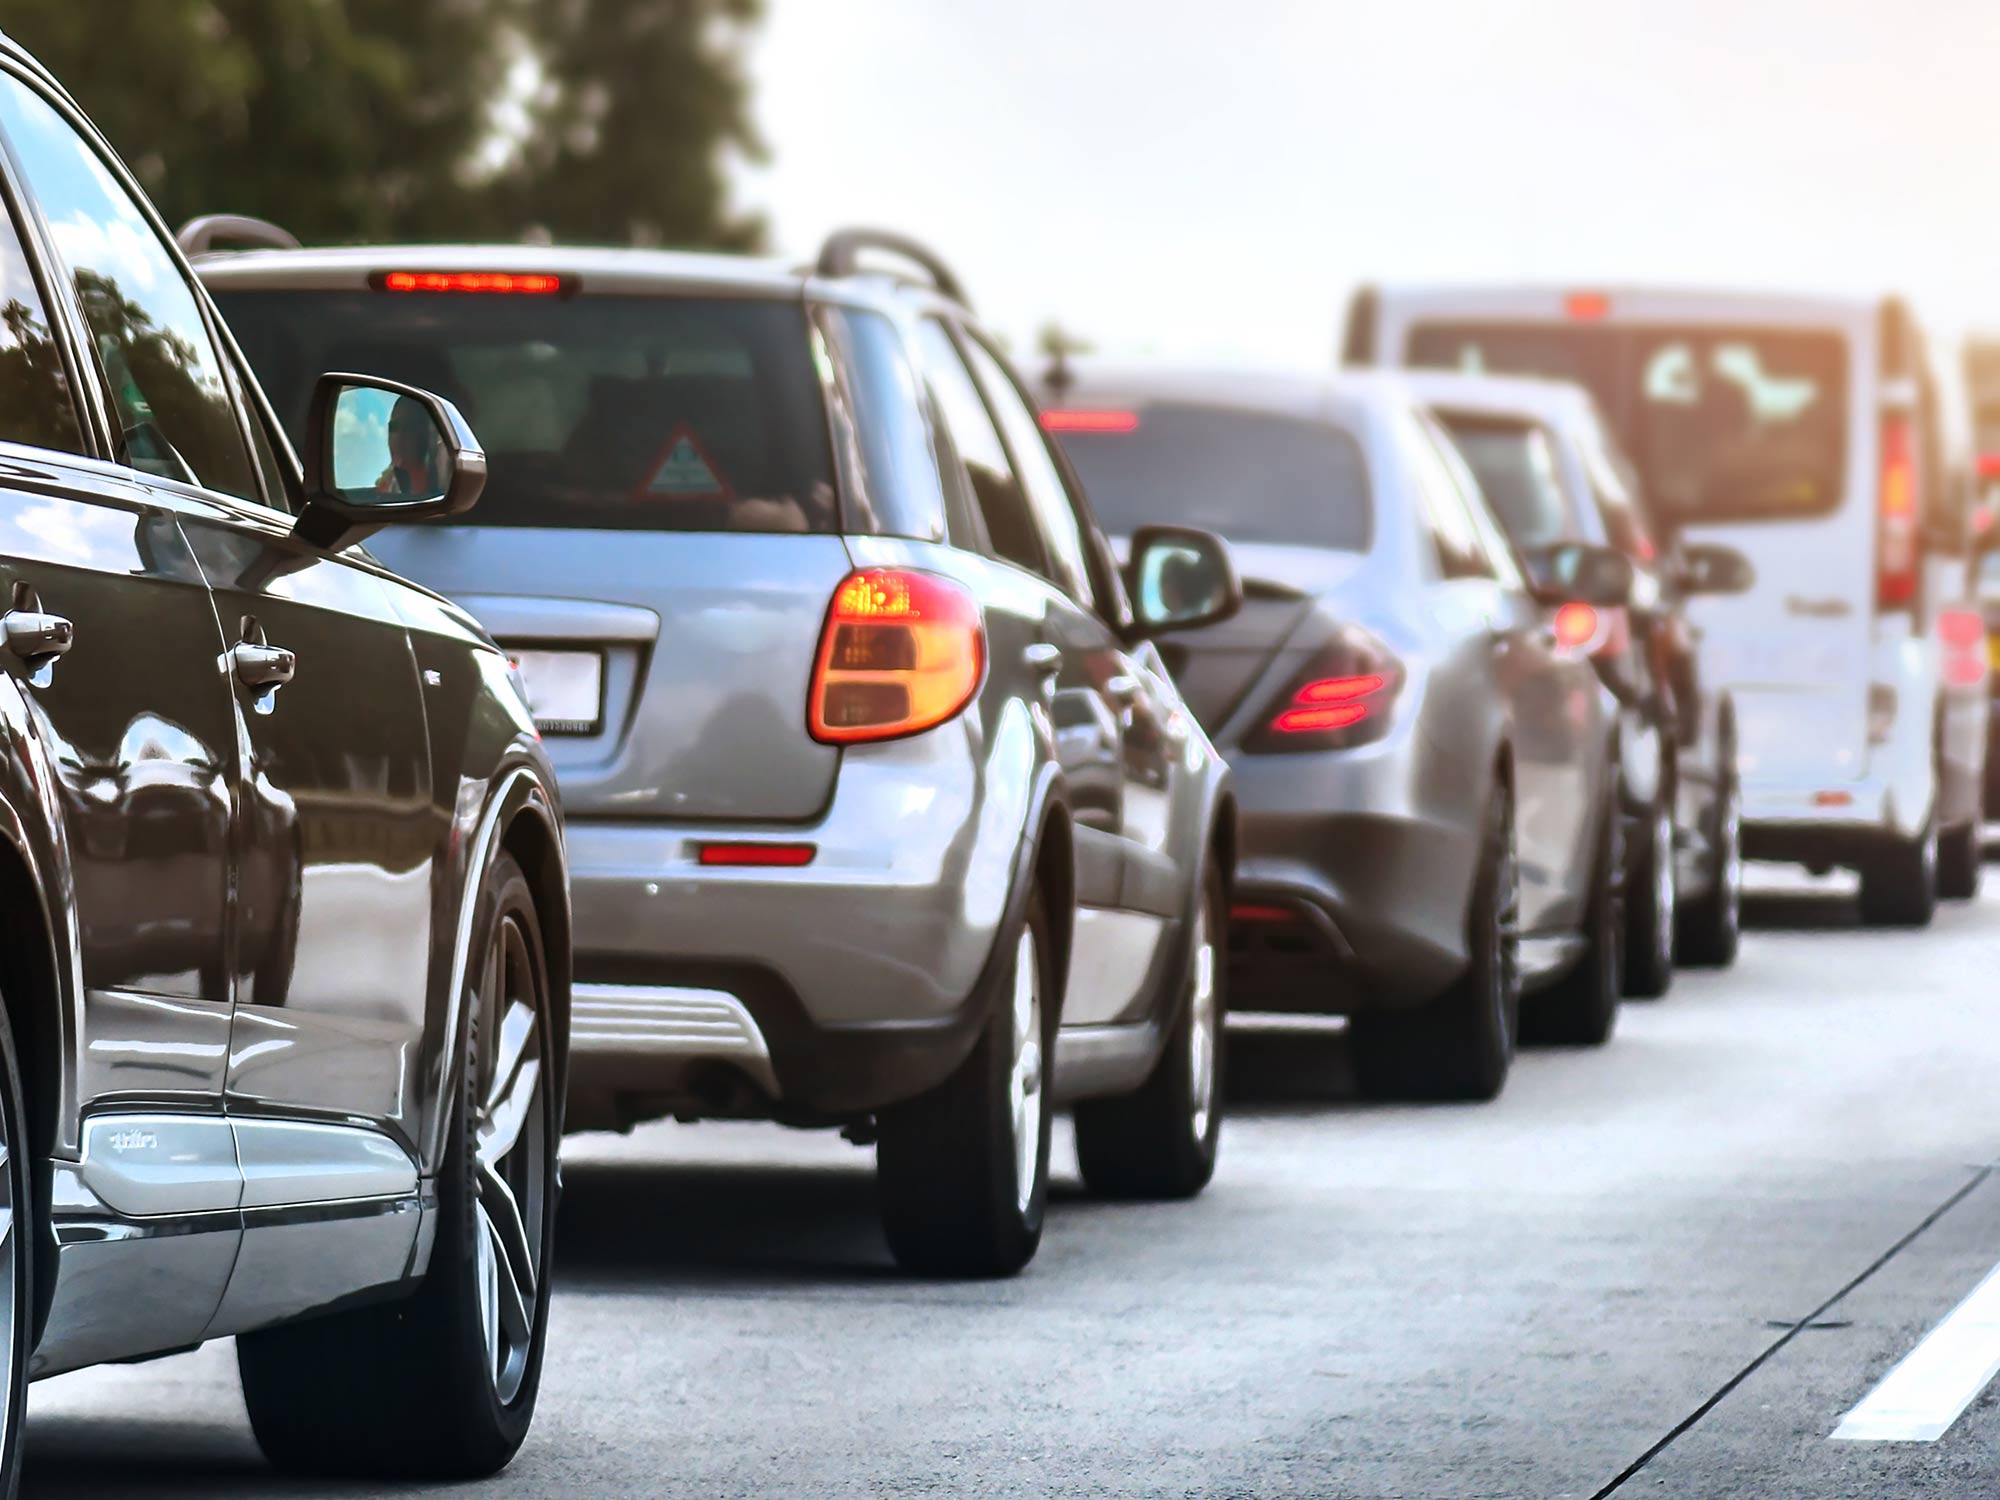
{"x": 565, "y": 689}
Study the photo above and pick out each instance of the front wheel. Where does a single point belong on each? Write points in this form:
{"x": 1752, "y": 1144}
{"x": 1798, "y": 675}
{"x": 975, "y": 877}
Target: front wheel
{"x": 1708, "y": 929}
{"x": 1649, "y": 906}
{"x": 964, "y": 1170}
{"x": 1161, "y": 1141}
{"x": 18, "y": 1239}
{"x": 1959, "y": 860}
{"x": 444, "y": 1383}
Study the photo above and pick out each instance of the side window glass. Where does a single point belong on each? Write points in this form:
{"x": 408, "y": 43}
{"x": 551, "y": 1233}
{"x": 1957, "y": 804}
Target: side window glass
{"x": 36, "y": 405}
{"x": 900, "y": 492}
{"x": 1005, "y": 509}
{"x": 1048, "y": 496}
{"x": 1494, "y": 551}
{"x": 166, "y": 379}
{"x": 1459, "y": 554}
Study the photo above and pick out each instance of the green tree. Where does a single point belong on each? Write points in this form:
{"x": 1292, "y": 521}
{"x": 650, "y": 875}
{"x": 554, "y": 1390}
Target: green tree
{"x": 356, "y": 120}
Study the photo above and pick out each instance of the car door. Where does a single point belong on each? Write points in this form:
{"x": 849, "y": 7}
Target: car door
{"x": 112, "y": 652}
{"x": 1123, "y": 741}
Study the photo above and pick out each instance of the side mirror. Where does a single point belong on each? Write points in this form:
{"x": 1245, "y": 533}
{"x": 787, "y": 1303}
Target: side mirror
{"x": 1181, "y": 578}
{"x": 1709, "y": 568}
{"x": 1576, "y": 573}
{"x": 379, "y": 454}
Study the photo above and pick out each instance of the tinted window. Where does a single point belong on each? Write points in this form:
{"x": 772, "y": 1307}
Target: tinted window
{"x": 166, "y": 381}
{"x": 1250, "y": 476}
{"x": 613, "y": 413}
{"x": 1516, "y": 469}
{"x": 898, "y": 492}
{"x": 1446, "y": 508}
{"x": 1009, "y": 526}
{"x": 35, "y": 400}
{"x": 1048, "y": 496}
{"x": 1724, "y": 424}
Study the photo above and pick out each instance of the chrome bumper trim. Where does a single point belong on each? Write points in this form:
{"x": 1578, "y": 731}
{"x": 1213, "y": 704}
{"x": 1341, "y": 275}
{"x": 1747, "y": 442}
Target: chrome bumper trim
{"x": 636, "y": 1020}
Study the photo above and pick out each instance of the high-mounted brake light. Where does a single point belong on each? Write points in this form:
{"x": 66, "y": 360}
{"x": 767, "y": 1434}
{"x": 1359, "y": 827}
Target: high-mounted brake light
{"x": 901, "y": 652}
{"x": 1896, "y": 537}
{"x": 492, "y": 283}
{"x": 1587, "y": 307}
{"x": 1090, "y": 421}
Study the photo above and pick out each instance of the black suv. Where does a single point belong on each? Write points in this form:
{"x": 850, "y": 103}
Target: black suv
{"x": 284, "y": 993}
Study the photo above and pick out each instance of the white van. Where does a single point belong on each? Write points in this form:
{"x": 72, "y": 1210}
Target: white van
{"x": 1814, "y": 437}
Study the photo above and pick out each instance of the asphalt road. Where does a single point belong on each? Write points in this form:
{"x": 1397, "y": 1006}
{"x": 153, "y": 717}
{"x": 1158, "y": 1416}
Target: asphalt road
{"x": 1517, "y": 1300}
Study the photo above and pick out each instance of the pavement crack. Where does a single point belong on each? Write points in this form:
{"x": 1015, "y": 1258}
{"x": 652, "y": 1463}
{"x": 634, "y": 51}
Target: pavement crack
{"x": 1792, "y": 1331}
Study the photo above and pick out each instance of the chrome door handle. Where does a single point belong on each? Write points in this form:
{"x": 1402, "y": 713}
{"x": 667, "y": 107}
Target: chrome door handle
{"x": 35, "y": 636}
{"x": 1043, "y": 658}
{"x": 263, "y": 666}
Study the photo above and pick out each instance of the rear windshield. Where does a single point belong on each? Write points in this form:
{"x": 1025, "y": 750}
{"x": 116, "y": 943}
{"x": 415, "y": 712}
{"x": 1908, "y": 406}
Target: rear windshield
{"x": 1723, "y": 424}
{"x": 1250, "y": 476}
{"x": 615, "y": 413}
{"x": 1515, "y": 465}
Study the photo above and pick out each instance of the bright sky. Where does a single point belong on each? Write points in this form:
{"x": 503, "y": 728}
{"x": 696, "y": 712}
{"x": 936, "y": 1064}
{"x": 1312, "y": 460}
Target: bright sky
{"x": 1210, "y": 180}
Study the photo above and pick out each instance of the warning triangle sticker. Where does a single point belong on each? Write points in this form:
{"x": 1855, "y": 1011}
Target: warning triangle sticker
{"x": 684, "y": 471}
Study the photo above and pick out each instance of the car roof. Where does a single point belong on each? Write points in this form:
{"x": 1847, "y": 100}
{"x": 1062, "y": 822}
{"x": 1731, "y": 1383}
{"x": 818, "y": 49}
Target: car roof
{"x": 1541, "y": 398}
{"x": 348, "y": 268}
{"x": 1305, "y": 394}
{"x": 1625, "y": 302}
{"x": 14, "y": 51}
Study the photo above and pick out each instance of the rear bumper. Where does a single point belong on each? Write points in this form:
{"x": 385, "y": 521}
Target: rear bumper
{"x": 1371, "y": 885}
{"x": 819, "y": 992}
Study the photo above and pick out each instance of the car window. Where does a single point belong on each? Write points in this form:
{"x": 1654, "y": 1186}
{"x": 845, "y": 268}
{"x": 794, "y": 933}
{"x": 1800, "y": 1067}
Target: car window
{"x": 901, "y": 493}
{"x": 165, "y": 375}
{"x": 1009, "y": 525}
{"x": 1515, "y": 464}
{"x": 1041, "y": 481}
{"x": 1459, "y": 552}
{"x": 37, "y": 406}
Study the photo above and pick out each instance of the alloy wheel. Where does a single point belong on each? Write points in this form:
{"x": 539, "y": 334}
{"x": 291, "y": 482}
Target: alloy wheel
{"x": 1507, "y": 936}
{"x": 509, "y": 1134}
{"x": 1024, "y": 1083}
{"x": 1664, "y": 893}
{"x": 1202, "y": 1026}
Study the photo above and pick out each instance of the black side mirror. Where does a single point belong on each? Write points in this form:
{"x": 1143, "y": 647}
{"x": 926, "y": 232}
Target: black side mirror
{"x": 1180, "y": 578}
{"x": 1710, "y": 568}
{"x": 1576, "y": 573}
{"x": 379, "y": 454}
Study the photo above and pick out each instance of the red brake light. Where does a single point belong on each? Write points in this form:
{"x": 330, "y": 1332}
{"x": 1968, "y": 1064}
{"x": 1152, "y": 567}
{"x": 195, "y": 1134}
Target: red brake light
{"x": 1576, "y": 626}
{"x": 757, "y": 856}
{"x": 1329, "y": 703}
{"x": 1090, "y": 421}
{"x": 1587, "y": 307}
{"x": 901, "y": 652}
{"x": 1896, "y": 544}
{"x": 1989, "y": 465}
{"x": 501, "y": 283}
{"x": 1340, "y": 701}
{"x": 1963, "y": 634}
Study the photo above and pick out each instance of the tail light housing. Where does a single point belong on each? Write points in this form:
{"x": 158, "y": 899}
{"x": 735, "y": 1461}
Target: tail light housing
{"x": 901, "y": 652}
{"x": 1342, "y": 699}
{"x": 1896, "y": 536}
{"x": 1962, "y": 637}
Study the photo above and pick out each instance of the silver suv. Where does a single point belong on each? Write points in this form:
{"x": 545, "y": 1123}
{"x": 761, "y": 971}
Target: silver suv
{"x": 879, "y": 795}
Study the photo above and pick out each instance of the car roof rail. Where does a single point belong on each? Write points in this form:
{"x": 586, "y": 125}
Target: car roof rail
{"x": 200, "y": 236}
{"x": 841, "y": 256}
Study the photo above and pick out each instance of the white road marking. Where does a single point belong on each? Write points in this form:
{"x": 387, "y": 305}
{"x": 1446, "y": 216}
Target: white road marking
{"x": 1918, "y": 1401}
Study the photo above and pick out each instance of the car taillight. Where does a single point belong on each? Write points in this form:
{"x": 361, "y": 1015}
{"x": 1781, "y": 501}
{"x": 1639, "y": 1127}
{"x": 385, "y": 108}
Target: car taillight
{"x": 1896, "y": 544}
{"x": 1341, "y": 700}
{"x": 1585, "y": 630}
{"x": 1056, "y": 420}
{"x": 901, "y": 652}
{"x": 1962, "y": 633}
{"x": 484, "y": 283}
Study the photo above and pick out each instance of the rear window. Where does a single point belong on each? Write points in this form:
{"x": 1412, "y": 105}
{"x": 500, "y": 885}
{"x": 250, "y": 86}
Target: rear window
{"x": 1723, "y": 424}
{"x": 1250, "y": 476}
{"x": 1515, "y": 465}
{"x": 614, "y": 413}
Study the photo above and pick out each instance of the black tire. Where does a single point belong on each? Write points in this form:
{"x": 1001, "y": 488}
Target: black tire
{"x": 1960, "y": 859}
{"x": 1899, "y": 880}
{"x": 1581, "y": 1009}
{"x": 950, "y": 1179}
{"x": 1461, "y": 1045}
{"x": 414, "y": 1388}
{"x": 1161, "y": 1141}
{"x": 1650, "y": 902}
{"x": 17, "y": 1276}
{"x": 1708, "y": 928}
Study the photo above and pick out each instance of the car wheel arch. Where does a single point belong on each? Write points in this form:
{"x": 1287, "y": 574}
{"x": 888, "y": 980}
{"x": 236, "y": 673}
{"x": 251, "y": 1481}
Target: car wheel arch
{"x": 32, "y": 990}
{"x": 535, "y": 840}
{"x": 1053, "y": 871}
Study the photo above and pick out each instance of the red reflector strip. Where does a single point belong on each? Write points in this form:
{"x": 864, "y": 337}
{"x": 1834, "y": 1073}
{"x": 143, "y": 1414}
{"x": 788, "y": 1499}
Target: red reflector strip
{"x": 1833, "y": 799}
{"x": 1261, "y": 914}
{"x": 501, "y": 283}
{"x": 1090, "y": 421}
{"x": 758, "y": 856}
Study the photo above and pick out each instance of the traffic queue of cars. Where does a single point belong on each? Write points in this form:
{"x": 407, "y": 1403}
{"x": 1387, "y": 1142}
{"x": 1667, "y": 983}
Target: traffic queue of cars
{"x": 794, "y": 715}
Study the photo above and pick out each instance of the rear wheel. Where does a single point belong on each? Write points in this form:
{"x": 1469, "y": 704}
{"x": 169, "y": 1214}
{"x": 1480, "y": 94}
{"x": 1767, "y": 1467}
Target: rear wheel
{"x": 1959, "y": 860}
{"x": 18, "y": 1238}
{"x": 1708, "y": 928}
{"x": 1649, "y": 907}
{"x": 1461, "y": 1045}
{"x": 1581, "y": 1010}
{"x": 444, "y": 1383}
{"x": 1899, "y": 880}
{"x": 964, "y": 1170}
{"x": 1161, "y": 1141}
